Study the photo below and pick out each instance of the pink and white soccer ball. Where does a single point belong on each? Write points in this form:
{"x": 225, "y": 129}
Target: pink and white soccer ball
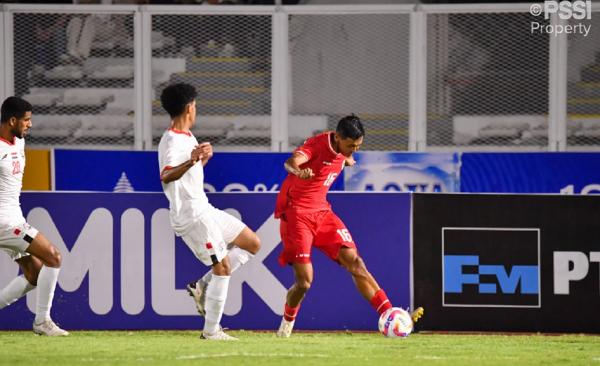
{"x": 395, "y": 322}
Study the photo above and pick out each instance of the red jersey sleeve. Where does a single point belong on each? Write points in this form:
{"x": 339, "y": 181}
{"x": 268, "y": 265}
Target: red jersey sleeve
{"x": 310, "y": 148}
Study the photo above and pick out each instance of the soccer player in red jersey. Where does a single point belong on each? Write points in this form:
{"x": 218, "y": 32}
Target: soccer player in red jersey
{"x": 306, "y": 218}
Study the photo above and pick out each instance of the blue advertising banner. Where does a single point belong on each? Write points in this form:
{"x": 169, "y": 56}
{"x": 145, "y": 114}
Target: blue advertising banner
{"x": 127, "y": 171}
{"x": 566, "y": 173}
{"x": 403, "y": 172}
{"x": 123, "y": 268}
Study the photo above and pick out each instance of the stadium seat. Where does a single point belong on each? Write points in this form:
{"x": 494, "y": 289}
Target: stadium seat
{"x": 104, "y": 127}
{"x": 54, "y": 126}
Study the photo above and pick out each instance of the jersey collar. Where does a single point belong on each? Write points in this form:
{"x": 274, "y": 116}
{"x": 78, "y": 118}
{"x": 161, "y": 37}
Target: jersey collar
{"x": 188, "y": 133}
{"x": 8, "y": 142}
{"x": 329, "y": 144}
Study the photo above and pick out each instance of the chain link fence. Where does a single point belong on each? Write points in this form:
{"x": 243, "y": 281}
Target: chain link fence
{"x": 487, "y": 81}
{"x": 228, "y": 59}
{"x": 487, "y": 77}
{"x": 583, "y": 91}
{"x": 343, "y": 64}
{"x": 77, "y": 71}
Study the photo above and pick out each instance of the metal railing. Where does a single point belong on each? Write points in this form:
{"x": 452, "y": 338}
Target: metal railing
{"x": 421, "y": 77}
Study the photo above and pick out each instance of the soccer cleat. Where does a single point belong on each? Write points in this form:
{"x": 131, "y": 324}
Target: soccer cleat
{"x": 219, "y": 335}
{"x": 417, "y": 314}
{"x": 285, "y": 328}
{"x": 197, "y": 290}
{"x": 49, "y": 328}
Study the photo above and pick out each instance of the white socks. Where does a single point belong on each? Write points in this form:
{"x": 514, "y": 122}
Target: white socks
{"x": 237, "y": 258}
{"x": 216, "y": 293}
{"x": 16, "y": 289}
{"x": 46, "y": 284}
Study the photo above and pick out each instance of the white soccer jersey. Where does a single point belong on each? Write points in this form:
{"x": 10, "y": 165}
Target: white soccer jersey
{"x": 12, "y": 165}
{"x": 186, "y": 196}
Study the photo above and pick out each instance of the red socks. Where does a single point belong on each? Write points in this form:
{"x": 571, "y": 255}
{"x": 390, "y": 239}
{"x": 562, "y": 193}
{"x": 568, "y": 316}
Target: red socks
{"x": 289, "y": 313}
{"x": 380, "y": 302}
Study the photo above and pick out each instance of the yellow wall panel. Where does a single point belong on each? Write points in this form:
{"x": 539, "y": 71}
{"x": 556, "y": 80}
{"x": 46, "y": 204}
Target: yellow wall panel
{"x": 37, "y": 170}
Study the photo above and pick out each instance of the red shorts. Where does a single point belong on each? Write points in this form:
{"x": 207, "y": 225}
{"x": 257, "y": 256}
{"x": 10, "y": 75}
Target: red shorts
{"x": 300, "y": 231}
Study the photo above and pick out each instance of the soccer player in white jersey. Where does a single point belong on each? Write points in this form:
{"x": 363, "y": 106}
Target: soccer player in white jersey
{"x": 38, "y": 259}
{"x": 206, "y": 230}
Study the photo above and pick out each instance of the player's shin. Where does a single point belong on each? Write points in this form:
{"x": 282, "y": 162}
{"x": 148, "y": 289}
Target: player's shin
{"x": 216, "y": 293}
{"x": 290, "y": 313}
{"x": 46, "y": 284}
{"x": 16, "y": 289}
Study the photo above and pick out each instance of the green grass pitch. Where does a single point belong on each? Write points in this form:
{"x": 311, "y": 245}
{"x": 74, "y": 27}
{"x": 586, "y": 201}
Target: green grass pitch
{"x": 262, "y": 348}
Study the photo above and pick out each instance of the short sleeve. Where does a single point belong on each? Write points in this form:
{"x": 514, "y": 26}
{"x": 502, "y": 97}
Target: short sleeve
{"x": 310, "y": 148}
{"x": 171, "y": 156}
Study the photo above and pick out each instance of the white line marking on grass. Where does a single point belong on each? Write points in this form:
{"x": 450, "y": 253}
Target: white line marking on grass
{"x": 246, "y": 354}
{"x": 596, "y": 359}
{"x": 426, "y": 357}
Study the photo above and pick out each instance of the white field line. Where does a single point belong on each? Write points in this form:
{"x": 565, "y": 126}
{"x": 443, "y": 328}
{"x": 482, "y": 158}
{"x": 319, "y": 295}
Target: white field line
{"x": 249, "y": 354}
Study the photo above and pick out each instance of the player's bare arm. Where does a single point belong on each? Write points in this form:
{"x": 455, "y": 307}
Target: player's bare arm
{"x": 207, "y": 152}
{"x": 292, "y": 165}
{"x": 173, "y": 174}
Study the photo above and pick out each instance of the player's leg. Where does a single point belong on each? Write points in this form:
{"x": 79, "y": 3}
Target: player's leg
{"x": 245, "y": 245}
{"x": 366, "y": 283}
{"x": 207, "y": 244}
{"x": 297, "y": 236}
{"x": 303, "y": 275}
{"x": 50, "y": 257}
{"x": 21, "y": 285}
{"x": 335, "y": 241}
{"x": 216, "y": 294}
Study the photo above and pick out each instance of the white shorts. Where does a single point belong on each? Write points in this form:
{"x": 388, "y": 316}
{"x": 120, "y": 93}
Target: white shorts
{"x": 15, "y": 240}
{"x": 210, "y": 234}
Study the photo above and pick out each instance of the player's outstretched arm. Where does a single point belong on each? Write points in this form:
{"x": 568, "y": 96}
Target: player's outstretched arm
{"x": 173, "y": 174}
{"x": 292, "y": 165}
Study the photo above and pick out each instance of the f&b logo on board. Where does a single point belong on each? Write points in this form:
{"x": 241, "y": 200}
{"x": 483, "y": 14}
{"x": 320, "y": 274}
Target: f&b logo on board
{"x": 491, "y": 267}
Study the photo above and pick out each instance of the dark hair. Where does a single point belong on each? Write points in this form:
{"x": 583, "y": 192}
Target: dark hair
{"x": 175, "y": 97}
{"x": 14, "y": 107}
{"x": 350, "y": 127}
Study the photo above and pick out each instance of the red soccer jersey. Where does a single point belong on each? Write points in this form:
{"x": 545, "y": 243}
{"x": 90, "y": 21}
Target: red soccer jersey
{"x": 310, "y": 194}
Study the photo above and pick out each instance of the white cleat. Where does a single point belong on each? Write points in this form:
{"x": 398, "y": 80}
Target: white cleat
{"x": 217, "y": 336}
{"x": 49, "y": 328}
{"x": 285, "y": 328}
{"x": 197, "y": 290}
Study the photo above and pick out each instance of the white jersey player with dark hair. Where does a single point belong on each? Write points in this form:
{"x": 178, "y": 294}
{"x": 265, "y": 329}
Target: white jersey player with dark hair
{"x": 206, "y": 230}
{"x": 37, "y": 258}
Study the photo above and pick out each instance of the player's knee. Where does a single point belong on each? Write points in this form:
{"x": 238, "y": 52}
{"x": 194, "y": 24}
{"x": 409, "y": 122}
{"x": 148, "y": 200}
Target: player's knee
{"x": 254, "y": 246}
{"x": 303, "y": 285}
{"x": 54, "y": 259}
